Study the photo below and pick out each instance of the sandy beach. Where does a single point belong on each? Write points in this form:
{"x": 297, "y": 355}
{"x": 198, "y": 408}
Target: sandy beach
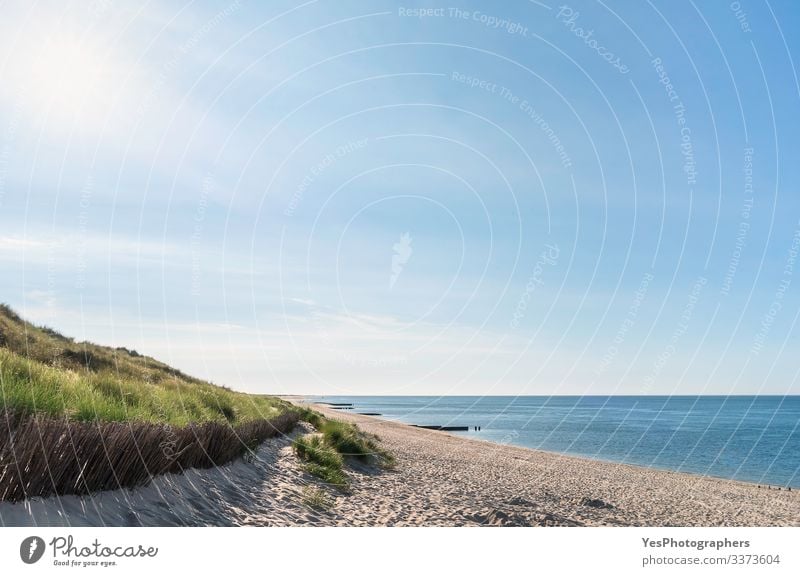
{"x": 439, "y": 480}
{"x": 442, "y": 479}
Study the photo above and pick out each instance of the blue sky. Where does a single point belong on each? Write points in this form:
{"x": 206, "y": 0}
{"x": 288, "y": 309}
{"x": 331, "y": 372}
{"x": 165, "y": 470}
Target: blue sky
{"x": 413, "y": 198}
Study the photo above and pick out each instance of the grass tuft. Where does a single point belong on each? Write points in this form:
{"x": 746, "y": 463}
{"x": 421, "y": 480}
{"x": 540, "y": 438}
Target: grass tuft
{"x": 351, "y": 442}
{"x": 321, "y": 459}
{"x": 316, "y": 499}
{"x": 326, "y": 452}
{"x": 314, "y": 418}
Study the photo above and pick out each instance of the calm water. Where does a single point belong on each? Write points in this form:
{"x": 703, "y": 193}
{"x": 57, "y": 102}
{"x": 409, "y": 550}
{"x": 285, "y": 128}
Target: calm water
{"x": 753, "y": 438}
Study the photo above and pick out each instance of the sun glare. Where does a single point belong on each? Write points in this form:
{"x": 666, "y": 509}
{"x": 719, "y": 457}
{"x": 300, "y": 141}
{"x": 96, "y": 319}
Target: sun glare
{"x": 64, "y": 77}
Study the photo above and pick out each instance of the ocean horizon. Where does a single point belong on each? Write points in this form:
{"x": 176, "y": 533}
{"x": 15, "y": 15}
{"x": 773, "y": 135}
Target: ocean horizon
{"x": 739, "y": 437}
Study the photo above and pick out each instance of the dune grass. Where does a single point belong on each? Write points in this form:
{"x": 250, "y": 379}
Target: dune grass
{"x": 351, "y": 442}
{"x": 316, "y": 499}
{"x": 321, "y": 460}
{"x": 43, "y": 372}
{"x": 42, "y": 456}
{"x": 326, "y": 452}
{"x": 32, "y": 387}
{"x": 80, "y": 392}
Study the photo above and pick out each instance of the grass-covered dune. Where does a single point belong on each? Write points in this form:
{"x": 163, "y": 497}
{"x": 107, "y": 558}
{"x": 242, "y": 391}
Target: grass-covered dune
{"x": 76, "y": 417}
{"x": 46, "y": 373}
{"x": 335, "y": 442}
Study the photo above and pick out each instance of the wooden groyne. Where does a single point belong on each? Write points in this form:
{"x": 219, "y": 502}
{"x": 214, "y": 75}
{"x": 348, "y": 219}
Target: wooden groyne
{"x": 444, "y": 428}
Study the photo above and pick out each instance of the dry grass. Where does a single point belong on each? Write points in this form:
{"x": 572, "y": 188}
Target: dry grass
{"x": 42, "y": 456}
{"x": 78, "y": 417}
{"x": 316, "y": 499}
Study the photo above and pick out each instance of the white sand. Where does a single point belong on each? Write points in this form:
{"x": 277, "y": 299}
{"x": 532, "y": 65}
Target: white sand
{"x": 267, "y": 490}
{"x": 443, "y": 479}
{"x": 440, "y": 479}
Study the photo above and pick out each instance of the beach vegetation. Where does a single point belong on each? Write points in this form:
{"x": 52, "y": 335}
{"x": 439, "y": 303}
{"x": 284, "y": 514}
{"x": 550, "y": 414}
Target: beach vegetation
{"x": 99, "y": 418}
{"x": 326, "y": 452}
{"x": 84, "y": 418}
{"x": 316, "y": 498}
{"x": 311, "y": 416}
{"x": 321, "y": 459}
{"x": 351, "y": 442}
{"x": 45, "y": 373}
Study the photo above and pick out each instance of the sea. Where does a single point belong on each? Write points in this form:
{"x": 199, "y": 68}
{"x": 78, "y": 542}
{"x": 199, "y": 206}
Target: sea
{"x": 749, "y": 438}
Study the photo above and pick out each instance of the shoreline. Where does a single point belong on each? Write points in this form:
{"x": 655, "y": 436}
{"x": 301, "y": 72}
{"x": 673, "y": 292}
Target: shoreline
{"x": 587, "y": 458}
{"x": 615, "y": 493}
{"x": 326, "y": 408}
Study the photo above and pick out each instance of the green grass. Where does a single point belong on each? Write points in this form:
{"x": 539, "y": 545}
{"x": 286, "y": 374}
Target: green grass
{"x": 351, "y": 442}
{"x": 321, "y": 460}
{"x": 43, "y": 372}
{"x": 326, "y": 453}
{"x": 314, "y": 418}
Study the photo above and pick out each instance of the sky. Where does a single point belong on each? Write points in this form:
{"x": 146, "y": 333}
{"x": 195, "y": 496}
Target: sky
{"x": 411, "y": 198}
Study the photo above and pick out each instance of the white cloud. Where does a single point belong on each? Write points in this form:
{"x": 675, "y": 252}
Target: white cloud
{"x": 53, "y": 248}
